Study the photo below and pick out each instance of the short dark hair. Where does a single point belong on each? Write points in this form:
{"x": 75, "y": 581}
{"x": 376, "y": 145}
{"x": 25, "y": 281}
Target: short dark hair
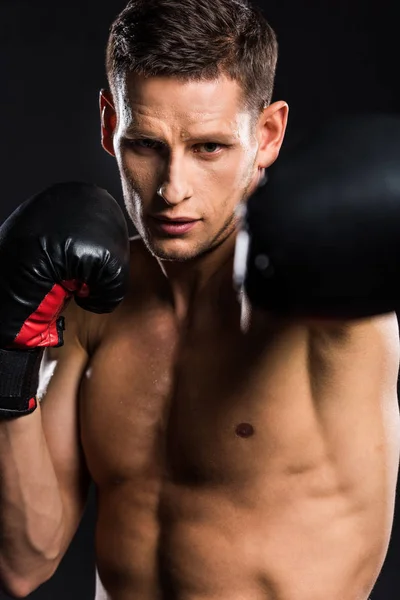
{"x": 196, "y": 40}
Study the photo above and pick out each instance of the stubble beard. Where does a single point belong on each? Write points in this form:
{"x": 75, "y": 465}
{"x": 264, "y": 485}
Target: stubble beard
{"x": 195, "y": 251}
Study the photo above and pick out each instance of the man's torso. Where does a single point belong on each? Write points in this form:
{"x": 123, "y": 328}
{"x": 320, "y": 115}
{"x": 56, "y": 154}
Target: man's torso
{"x": 240, "y": 465}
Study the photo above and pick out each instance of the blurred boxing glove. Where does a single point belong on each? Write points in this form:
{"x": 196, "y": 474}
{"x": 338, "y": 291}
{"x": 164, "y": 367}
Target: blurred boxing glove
{"x": 69, "y": 240}
{"x": 322, "y": 237}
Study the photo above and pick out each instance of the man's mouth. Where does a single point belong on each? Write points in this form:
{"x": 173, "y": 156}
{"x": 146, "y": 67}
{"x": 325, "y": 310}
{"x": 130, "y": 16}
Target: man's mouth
{"x": 175, "y": 226}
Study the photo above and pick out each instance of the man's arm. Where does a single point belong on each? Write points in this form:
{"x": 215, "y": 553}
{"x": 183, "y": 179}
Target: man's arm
{"x": 44, "y": 481}
{"x": 67, "y": 241}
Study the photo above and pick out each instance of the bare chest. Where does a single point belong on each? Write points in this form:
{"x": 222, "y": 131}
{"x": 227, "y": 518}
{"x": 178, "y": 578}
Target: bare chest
{"x": 196, "y": 408}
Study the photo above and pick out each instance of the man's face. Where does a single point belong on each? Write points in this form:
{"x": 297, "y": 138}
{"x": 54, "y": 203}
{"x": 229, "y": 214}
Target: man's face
{"x": 194, "y": 139}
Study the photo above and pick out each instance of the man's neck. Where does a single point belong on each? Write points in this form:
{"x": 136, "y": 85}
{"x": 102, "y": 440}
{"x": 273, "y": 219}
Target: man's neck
{"x": 207, "y": 274}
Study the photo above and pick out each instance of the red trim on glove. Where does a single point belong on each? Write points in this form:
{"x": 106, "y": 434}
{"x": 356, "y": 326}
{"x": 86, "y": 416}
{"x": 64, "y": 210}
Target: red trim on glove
{"x": 40, "y": 329}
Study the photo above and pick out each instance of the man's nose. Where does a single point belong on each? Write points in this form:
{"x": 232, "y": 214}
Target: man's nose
{"x": 175, "y": 188}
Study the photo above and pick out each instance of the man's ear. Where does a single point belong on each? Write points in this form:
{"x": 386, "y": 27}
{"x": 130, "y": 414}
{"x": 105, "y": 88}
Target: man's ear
{"x": 271, "y": 131}
{"x": 108, "y": 118}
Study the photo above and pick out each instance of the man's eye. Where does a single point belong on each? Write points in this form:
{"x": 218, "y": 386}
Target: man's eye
{"x": 143, "y": 144}
{"x": 209, "y": 147}
{"x": 147, "y": 144}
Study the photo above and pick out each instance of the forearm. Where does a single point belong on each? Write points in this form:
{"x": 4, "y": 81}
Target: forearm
{"x": 31, "y": 508}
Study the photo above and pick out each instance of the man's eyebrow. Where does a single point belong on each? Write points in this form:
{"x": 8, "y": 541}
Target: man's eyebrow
{"x": 136, "y": 130}
{"x": 207, "y": 136}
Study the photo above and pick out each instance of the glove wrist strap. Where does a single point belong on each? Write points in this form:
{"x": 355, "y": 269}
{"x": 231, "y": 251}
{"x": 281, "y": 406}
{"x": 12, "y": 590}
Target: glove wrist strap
{"x": 19, "y": 379}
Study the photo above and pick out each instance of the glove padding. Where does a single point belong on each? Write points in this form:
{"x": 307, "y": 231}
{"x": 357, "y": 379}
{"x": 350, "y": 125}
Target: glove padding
{"x": 324, "y": 232}
{"x": 71, "y": 238}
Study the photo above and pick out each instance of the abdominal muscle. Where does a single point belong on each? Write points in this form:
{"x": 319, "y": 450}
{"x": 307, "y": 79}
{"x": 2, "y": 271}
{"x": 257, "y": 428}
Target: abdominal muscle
{"x": 283, "y": 545}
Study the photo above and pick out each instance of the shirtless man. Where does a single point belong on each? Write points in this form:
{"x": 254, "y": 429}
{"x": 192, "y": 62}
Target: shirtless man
{"x": 240, "y": 451}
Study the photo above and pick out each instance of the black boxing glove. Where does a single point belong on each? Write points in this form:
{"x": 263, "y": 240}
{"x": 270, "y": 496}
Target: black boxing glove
{"x": 69, "y": 240}
{"x": 322, "y": 237}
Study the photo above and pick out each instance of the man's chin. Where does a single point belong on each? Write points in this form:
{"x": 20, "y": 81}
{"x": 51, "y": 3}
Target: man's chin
{"x": 164, "y": 251}
{"x": 184, "y": 249}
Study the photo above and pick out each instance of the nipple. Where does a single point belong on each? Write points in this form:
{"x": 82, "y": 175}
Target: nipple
{"x": 244, "y": 430}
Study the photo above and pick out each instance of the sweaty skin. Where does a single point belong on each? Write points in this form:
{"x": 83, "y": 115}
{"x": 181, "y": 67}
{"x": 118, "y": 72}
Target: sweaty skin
{"x": 255, "y": 464}
{"x": 236, "y": 456}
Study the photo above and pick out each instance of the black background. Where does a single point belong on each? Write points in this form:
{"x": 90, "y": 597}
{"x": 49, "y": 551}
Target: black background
{"x": 335, "y": 56}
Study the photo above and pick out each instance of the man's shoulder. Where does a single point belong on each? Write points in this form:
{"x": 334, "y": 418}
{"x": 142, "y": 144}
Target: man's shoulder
{"x": 375, "y": 338}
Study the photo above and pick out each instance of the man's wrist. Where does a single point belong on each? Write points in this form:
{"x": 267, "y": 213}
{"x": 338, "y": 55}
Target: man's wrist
{"x": 19, "y": 379}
